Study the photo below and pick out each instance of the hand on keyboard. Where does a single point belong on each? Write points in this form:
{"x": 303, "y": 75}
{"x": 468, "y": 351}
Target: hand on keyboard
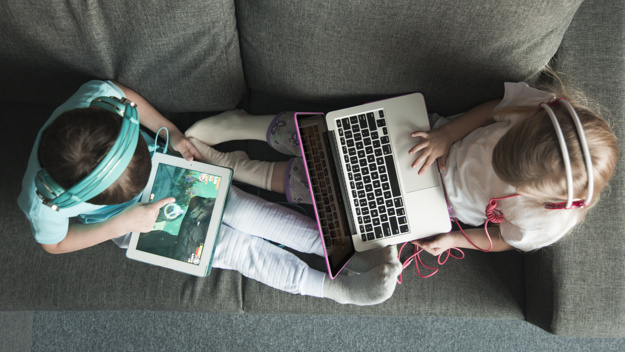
{"x": 433, "y": 144}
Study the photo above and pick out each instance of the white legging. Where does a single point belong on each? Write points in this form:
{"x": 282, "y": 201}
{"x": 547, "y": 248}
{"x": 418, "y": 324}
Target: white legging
{"x": 249, "y": 220}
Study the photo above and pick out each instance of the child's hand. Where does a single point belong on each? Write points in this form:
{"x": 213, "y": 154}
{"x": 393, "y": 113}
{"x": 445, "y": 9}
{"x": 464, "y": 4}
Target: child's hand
{"x": 183, "y": 145}
{"x": 434, "y": 144}
{"x": 141, "y": 217}
{"x": 438, "y": 245}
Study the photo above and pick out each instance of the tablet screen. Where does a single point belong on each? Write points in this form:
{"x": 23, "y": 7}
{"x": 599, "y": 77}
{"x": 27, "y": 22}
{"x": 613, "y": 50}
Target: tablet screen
{"x": 181, "y": 227}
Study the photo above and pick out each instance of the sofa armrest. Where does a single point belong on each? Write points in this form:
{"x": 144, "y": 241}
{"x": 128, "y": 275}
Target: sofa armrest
{"x": 577, "y": 287}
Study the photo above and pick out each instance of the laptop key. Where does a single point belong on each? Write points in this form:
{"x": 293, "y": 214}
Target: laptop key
{"x": 371, "y": 121}
{"x": 398, "y": 202}
{"x": 394, "y": 225}
{"x": 362, "y": 119}
{"x": 378, "y": 232}
{"x": 392, "y": 174}
{"x": 346, "y": 124}
{"x": 386, "y": 229}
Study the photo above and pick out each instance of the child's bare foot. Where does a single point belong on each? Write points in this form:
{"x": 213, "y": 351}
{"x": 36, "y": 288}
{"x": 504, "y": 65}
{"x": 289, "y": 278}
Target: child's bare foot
{"x": 230, "y": 125}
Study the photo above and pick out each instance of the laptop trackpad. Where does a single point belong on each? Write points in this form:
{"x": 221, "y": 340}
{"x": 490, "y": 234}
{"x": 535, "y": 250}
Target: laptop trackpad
{"x": 415, "y": 182}
{"x": 409, "y": 176}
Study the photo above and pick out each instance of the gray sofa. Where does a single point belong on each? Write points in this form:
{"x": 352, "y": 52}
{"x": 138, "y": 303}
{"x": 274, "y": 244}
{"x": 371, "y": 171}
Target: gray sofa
{"x": 193, "y": 57}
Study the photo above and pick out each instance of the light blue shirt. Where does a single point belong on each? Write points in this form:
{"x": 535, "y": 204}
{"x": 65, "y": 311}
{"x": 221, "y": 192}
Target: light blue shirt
{"x": 49, "y": 226}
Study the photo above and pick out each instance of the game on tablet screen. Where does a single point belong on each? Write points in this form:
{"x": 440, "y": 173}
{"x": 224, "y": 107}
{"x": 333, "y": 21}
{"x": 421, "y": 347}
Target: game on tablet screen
{"x": 181, "y": 227}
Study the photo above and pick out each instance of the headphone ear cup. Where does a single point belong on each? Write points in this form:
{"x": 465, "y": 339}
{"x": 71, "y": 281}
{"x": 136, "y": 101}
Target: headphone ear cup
{"x": 46, "y": 186}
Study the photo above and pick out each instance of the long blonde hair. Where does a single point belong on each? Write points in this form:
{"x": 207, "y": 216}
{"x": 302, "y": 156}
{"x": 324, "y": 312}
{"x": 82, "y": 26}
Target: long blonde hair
{"x": 529, "y": 158}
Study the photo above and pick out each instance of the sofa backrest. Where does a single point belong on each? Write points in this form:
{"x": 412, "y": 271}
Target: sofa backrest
{"x": 458, "y": 53}
{"x": 181, "y": 55}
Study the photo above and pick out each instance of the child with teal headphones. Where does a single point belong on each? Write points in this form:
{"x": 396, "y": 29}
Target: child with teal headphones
{"x": 91, "y": 162}
{"x": 49, "y": 223}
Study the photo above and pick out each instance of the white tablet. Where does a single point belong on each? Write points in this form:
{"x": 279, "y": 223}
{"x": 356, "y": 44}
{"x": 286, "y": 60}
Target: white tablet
{"x": 184, "y": 235}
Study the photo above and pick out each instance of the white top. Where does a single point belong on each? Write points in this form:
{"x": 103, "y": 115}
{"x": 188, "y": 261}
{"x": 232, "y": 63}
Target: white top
{"x": 470, "y": 181}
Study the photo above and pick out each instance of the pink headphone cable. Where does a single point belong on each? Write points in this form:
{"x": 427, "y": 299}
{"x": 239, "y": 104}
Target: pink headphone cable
{"x": 492, "y": 215}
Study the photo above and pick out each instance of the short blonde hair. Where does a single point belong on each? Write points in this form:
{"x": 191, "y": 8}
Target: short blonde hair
{"x": 529, "y": 158}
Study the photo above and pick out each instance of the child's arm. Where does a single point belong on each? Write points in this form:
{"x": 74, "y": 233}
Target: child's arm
{"x": 455, "y": 239}
{"x": 137, "y": 218}
{"x": 153, "y": 120}
{"x": 435, "y": 144}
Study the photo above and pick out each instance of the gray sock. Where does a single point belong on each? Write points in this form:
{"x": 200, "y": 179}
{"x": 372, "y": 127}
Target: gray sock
{"x": 362, "y": 262}
{"x": 368, "y": 288}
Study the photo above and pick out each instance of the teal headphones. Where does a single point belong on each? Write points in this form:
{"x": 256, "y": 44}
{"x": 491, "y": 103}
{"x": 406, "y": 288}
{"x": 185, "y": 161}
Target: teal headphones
{"x": 107, "y": 171}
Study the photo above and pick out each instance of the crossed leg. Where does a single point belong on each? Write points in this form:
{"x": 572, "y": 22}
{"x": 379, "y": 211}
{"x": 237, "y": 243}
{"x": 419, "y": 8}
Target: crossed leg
{"x": 278, "y": 131}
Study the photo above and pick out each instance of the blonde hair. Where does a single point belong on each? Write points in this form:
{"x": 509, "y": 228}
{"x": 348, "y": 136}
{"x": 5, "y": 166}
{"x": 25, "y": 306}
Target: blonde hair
{"x": 529, "y": 158}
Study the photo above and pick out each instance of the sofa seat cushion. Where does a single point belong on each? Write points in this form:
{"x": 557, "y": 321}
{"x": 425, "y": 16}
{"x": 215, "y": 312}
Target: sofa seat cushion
{"x": 180, "y": 55}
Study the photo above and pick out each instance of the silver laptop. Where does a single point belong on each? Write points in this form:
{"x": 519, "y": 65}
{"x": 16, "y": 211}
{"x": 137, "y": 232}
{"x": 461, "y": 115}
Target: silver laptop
{"x": 365, "y": 193}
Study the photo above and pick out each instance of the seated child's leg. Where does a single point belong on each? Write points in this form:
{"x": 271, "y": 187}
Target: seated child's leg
{"x": 230, "y": 125}
{"x": 283, "y": 176}
{"x": 253, "y": 172}
{"x": 260, "y": 260}
{"x": 295, "y": 181}
{"x": 279, "y": 130}
{"x": 282, "y": 134}
{"x": 256, "y": 216}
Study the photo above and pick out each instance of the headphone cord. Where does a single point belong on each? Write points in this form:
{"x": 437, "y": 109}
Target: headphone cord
{"x": 166, "y": 139}
{"x": 492, "y": 216}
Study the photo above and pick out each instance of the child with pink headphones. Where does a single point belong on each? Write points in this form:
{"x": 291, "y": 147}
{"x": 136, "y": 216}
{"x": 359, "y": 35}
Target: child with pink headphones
{"x": 527, "y": 167}
{"x": 534, "y": 163}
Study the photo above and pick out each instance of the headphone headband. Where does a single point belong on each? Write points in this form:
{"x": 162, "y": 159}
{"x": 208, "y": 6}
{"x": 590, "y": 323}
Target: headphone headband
{"x": 565, "y": 155}
{"x": 107, "y": 171}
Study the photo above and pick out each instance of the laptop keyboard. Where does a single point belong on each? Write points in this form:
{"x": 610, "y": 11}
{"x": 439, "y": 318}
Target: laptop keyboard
{"x": 325, "y": 195}
{"x": 372, "y": 177}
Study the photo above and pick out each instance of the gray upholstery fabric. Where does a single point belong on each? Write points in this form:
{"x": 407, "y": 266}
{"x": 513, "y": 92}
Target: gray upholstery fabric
{"x": 584, "y": 274}
{"x": 181, "y": 56}
{"x": 457, "y": 56}
{"x": 477, "y": 286}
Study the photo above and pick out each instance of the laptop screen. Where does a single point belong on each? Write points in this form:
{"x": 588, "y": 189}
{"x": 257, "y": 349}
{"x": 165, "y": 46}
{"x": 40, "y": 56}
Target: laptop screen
{"x": 326, "y": 192}
{"x": 181, "y": 227}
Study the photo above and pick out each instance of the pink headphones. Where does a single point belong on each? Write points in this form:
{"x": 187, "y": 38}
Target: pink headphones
{"x": 565, "y": 155}
{"x": 495, "y": 216}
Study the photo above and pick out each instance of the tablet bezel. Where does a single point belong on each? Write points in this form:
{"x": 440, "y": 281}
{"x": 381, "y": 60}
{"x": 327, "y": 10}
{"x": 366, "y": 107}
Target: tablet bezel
{"x": 202, "y": 269}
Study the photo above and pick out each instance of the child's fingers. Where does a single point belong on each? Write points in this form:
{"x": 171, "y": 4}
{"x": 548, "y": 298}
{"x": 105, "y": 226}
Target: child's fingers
{"x": 190, "y": 152}
{"x": 419, "y": 160}
{"x": 195, "y": 154}
{"x": 417, "y": 147}
{"x": 419, "y": 134}
{"x": 162, "y": 202}
{"x": 428, "y": 162}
